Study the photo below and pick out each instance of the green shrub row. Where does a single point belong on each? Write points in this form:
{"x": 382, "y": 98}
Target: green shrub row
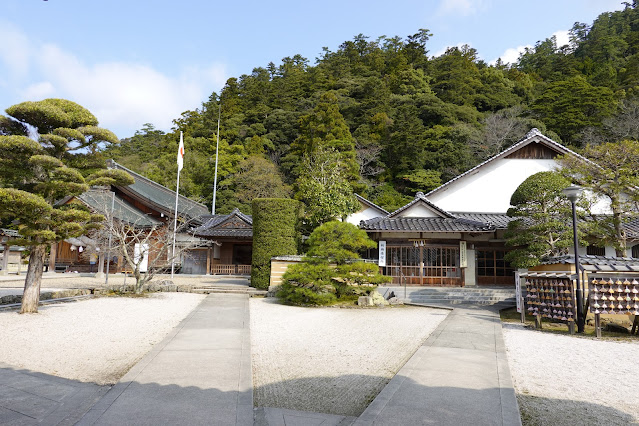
{"x": 276, "y": 223}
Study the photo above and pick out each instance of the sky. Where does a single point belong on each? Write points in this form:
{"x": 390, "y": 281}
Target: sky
{"x": 132, "y": 62}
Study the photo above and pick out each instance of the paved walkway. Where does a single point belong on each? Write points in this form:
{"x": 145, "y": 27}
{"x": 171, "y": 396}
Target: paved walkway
{"x": 459, "y": 376}
{"x": 199, "y": 375}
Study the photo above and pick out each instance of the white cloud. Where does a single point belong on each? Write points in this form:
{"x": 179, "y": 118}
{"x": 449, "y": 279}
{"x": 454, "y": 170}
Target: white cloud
{"x": 461, "y": 7}
{"x": 511, "y": 55}
{"x": 123, "y": 96}
{"x": 14, "y": 50}
{"x": 38, "y": 91}
{"x": 562, "y": 37}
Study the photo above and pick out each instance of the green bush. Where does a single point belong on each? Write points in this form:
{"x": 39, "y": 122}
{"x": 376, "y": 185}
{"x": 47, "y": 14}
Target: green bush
{"x": 276, "y": 223}
{"x": 325, "y": 277}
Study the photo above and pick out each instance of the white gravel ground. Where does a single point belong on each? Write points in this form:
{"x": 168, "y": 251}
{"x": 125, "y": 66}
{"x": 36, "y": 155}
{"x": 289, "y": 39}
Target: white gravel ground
{"x": 573, "y": 380}
{"x": 95, "y": 340}
{"x": 331, "y": 360}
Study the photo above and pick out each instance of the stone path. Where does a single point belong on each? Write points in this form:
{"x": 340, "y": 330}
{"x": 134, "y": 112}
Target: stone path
{"x": 30, "y": 398}
{"x": 459, "y": 376}
{"x": 199, "y": 375}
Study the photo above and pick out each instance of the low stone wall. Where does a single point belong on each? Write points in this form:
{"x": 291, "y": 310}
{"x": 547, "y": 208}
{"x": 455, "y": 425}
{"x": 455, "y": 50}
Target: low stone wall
{"x": 46, "y": 295}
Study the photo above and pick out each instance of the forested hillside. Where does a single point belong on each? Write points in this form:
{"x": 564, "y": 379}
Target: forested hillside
{"x": 397, "y": 119}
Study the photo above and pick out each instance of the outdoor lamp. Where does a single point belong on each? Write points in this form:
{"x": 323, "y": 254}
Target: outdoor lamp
{"x": 573, "y": 192}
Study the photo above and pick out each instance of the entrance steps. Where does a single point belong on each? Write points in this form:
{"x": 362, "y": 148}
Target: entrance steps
{"x": 452, "y": 295}
{"x": 227, "y": 284}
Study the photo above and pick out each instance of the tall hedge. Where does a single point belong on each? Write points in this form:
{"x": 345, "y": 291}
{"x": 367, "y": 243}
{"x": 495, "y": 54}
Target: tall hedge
{"x": 276, "y": 226}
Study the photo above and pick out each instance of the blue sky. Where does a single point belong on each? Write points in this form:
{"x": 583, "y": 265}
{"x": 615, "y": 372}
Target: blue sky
{"x": 135, "y": 61}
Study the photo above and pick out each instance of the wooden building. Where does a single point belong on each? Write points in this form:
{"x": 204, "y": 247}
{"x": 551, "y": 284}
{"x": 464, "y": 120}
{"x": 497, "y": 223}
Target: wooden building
{"x": 144, "y": 204}
{"x": 454, "y": 235}
{"x": 232, "y": 236}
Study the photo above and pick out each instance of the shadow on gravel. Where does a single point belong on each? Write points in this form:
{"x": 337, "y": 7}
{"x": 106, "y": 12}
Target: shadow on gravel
{"x": 538, "y": 411}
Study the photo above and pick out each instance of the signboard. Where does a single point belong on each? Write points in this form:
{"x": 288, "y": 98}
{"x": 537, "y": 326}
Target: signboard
{"x": 463, "y": 259}
{"x": 382, "y": 253}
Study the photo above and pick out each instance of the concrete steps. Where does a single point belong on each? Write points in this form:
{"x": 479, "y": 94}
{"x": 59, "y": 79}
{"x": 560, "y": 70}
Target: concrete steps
{"x": 229, "y": 288}
{"x": 452, "y": 296}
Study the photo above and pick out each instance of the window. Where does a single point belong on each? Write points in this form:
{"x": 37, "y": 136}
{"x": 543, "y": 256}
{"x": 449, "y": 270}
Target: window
{"x": 596, "y": 251}
{"x": 491, "y": 263}
{"x": 635, "y": 251}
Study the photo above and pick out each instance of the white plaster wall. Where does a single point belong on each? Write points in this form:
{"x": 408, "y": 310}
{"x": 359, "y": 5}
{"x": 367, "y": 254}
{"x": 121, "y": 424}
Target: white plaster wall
{"x": 419, "y": 210}
{"x": 489, "y": 189}
{"x": 365, "y": 214}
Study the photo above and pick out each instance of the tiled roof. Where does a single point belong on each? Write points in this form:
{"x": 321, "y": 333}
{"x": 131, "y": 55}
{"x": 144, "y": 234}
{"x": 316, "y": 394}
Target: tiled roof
{"x": 159, "y": 197}
{"x": 598, "y": 263}
{"x": 425, "y": 224}
{"x": 224, "y": 225}
{"x": 421, "y": 198}
{"x": 533, "y": 136}
{"x": 370, "y": 203}
{"x": 498, "y": 220}
{"x": 100, "y": 201}
{"x": 9, "y": 233}
{"x": 632, "y": 229}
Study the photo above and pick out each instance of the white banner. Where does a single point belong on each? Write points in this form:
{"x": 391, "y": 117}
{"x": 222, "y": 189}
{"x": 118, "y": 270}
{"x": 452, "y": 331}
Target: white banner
{"x": 382, "y": 253}
{"x": 518, "y": 291}
{"x": 463, "y": 255}
{"x": 141, "y": 250}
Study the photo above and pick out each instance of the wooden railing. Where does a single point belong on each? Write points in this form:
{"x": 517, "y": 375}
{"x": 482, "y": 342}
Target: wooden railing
{"x": 232, "y": 269}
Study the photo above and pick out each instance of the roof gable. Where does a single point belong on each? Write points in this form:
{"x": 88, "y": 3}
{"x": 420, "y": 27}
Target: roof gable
{"x": 543, "y": 148}
{"x": 420, "y": 207}
{"x": 366, "y": 203}
{"x": 234, "y": 224}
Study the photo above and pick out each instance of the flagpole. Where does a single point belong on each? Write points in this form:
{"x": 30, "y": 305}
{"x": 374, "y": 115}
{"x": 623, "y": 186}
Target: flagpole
{"x": 177, "y": 191}
{"x": 106, "y": 280}
{"x": 217, "y": 149}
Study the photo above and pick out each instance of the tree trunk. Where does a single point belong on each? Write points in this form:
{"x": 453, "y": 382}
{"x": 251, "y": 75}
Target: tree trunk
{"x": 31, "y": 295}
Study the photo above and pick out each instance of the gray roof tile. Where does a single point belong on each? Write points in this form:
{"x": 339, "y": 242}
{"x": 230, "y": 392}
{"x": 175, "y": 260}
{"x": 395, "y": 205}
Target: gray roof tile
{"x": 425, "y": 224}
{"x": 160, "y": 197}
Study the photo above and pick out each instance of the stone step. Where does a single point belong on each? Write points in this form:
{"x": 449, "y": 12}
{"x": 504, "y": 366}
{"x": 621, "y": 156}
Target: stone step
{"x": 456, "y": 296}
{"x": 457, "y": 301}
{"x": 229, "y": 289}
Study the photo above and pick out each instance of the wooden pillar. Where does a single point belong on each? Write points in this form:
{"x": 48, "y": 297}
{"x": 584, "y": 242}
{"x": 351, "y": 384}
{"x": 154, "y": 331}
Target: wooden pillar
{"x": 208, "y": 260}
{"x": 598, "y": 325}
{"x": 5, "y": 260}
{"x": 53, "y": 253}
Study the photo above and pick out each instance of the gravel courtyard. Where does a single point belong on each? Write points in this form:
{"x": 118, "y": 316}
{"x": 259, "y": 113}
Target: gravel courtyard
{"x": 96, "y": 340}
{"x": 331, "y": 360}
{"x": 573, "y": 380}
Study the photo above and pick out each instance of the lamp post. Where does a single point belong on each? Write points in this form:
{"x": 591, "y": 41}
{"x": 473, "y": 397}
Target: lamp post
{"x": 573, "y": 192}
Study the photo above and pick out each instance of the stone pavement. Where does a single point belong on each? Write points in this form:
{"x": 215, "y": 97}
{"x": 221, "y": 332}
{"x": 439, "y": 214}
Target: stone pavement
{"x": 31, "y": 398}
{"x": 200, "y": 374}
{"x": 459, "y": 376}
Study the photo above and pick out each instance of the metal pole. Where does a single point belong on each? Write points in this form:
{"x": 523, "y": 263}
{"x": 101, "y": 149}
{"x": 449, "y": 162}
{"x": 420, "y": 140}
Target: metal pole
{"x": 217, "y": 150}
{"x": 106, "y": 280}
{"x": 580, "y": 317}
{"x": 175, "y": 225}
